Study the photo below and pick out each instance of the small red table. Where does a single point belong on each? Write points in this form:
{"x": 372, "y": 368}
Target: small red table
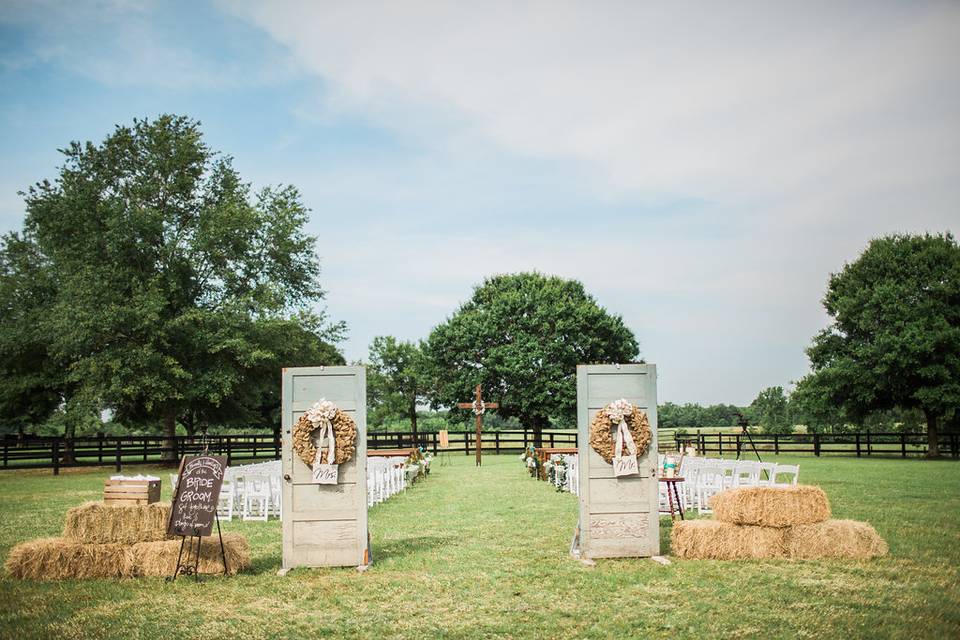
{"x": 671, "y": 493}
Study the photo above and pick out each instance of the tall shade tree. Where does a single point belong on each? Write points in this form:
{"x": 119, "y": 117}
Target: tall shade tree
{"x": 164, "y": 258}
{"x": 770, "y": 410}
{"x": 522, "y": 337}
{"x": 32, "y": 385}
{"x": 894, "y": 339}
{"x": 397, "y": 379}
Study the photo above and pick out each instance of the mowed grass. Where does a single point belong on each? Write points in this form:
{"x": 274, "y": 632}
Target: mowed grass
{"x": 484, "y": 553}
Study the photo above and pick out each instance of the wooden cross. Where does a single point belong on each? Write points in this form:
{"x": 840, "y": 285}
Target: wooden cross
{"x": 478, "y": 406}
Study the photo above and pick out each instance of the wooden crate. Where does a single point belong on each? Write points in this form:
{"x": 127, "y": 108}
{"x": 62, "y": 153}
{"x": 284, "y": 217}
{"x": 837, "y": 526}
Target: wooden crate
{"x": 131, "y": 491}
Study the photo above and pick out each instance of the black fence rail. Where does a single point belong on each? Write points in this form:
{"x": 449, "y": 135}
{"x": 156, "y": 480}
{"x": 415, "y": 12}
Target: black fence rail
{"x": 55, "y": 453}
{"x": 900, "y": 445}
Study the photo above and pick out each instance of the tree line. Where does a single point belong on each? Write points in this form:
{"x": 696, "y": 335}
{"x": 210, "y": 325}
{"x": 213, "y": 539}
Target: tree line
{"x": 150, "y": 282}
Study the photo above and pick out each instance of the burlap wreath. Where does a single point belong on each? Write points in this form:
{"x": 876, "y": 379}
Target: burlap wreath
{"x": 602, "y": 438}
{"x": 344, "y": 431}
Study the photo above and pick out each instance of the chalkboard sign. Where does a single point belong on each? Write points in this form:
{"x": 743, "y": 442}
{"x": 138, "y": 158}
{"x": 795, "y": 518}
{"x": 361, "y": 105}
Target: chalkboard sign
{"x": 194, "y": 503}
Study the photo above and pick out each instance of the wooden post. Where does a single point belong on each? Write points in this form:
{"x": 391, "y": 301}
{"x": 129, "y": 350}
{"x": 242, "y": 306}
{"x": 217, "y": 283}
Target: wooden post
{"x": 56, "y": 456}
{"x": 434, "y": 438}
{"x": 954, "y": 445}
{"x": 100, "y": 447}
{"x": 118, "y": 464}
{"x": 903, "y": 445}
{"x": 816, "y": 444}
{"x": 229, "y": 451}
{"x": 466, "y": 443}
{"x": 869, "y": 448}
{"x": 145, "y": 441}
{"x": 552, "y": 443}
{"x": 738, "y": 445}
{"x": 496, "y": 438}
{"x": 720, "y": 445}
{"x": 776, "y": 444}
{"x": 858, "y": 444}
{"x": 6, "y": 448}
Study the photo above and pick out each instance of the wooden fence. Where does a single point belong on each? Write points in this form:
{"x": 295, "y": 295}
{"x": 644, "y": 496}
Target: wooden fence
{"x": 48, "y": 453}
{"x": 900, "y": 445}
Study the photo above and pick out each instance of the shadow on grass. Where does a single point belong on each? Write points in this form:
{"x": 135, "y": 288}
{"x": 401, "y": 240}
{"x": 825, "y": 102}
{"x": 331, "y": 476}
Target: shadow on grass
{"x": 402, "y": 547}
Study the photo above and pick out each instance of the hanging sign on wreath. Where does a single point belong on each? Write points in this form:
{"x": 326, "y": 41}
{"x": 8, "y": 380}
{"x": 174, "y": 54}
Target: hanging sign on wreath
{"x": 633, "y": 433}
{"x": 325, "y": 437}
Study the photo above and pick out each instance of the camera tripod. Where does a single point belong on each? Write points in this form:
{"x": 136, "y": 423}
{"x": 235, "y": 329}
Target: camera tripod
{"x": 744, "y": 425}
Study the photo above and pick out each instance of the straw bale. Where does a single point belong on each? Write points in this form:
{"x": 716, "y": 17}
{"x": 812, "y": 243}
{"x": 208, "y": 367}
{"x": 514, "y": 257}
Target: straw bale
{"x": 834, "y": 539}
{"x": 59, "y": 559}
{"x": 160, "y": 558}
{"x": 98, "y": 522}
{"x": 771, "y": 506}
{"x": 715, "y": 540}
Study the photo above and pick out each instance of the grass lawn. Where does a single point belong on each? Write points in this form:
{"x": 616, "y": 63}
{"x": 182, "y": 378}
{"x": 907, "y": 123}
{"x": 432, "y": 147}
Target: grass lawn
{"x": 483, "y": 552}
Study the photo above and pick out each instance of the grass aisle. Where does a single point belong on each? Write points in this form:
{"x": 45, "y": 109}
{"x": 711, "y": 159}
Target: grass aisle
{"x": 483, "y": 552}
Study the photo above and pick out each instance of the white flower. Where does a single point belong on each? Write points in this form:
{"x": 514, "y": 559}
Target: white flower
{"x": 321, "y": 412}
{"x": 618, "y": 410}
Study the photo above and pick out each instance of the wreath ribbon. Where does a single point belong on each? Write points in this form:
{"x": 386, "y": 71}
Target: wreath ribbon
{"x": 624, "y": 438}
{"x": 326, "y": 431}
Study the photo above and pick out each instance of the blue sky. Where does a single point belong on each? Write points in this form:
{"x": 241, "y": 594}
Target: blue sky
{"x": 702, "y": 171}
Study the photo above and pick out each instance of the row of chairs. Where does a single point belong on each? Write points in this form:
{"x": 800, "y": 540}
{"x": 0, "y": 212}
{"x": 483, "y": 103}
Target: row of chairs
{"x": 385, "y": 477}
{"x": 250, "y": 491}
{"x": 705, "y": 477}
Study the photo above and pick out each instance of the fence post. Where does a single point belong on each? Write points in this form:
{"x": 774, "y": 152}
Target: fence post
{"x": 466, "y": 442}
{"x": 869, "y": 448}
{"x": 496, "y": 438}
{"x": 776, "y": 444}
{"x": 6, "y": 448}
{"x": 100, "y": 446}
{"x": 118, "y": 464}
{"x": 229, "y": 451}
{"x": 552, "y": 443}
{"x": 858, "y": 444}
{"x": 738, "y": 445}
{"x": 720, "y": 444}
{"x": 433, "y": 437}
{"x": 56, "y": 456}
{"x": 954, "y": 447}
{"x": 816, "y": 444}
{"x": 254, "y": 447}
{"x": 903, "y": 444}
{"x": 524, "y": 438}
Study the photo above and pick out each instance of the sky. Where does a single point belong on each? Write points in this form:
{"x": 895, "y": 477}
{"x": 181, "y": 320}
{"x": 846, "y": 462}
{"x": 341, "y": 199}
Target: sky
{"x": 701, "y": 167}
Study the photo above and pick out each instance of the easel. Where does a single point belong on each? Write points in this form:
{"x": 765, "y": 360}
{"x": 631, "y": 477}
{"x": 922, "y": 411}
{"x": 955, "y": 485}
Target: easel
{"x": 185, "y": 567}
{"x": 444, "y": 445}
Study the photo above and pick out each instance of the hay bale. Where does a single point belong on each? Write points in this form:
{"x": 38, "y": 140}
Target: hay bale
{"x": 771, "y": 506}
{"x": 715, "y": 540}
{"x": 834, "y": 539}
{"x": 160, "y": 558}
{"x": 97, "y": 522}
{"x": 60, "y": 559}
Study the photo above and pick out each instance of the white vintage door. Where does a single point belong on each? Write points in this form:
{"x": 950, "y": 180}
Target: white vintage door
{"x": 619, "y": 517}
{"x": 324, "y": 525}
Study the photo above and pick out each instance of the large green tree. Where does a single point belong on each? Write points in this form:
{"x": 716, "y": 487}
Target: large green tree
{"x": 164, "y": 261}
{"x": 894, "y": 338}
{"x": 397, "y": 380}
{"x": 522, "y": 336}
{"x": 32, "y": 385}
{"x": 770, "y": 410}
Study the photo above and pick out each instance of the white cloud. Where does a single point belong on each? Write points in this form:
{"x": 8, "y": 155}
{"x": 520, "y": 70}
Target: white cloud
{"x": 804, "y": 128}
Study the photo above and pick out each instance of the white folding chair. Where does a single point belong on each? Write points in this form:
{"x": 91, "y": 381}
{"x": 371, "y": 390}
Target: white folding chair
{"x": 791, "y": 470}
{"x": 225, "y": 502}
{"x": 711, "y": 480}
{"x": 256, "y": 497}
{"x": 746, "y": 474}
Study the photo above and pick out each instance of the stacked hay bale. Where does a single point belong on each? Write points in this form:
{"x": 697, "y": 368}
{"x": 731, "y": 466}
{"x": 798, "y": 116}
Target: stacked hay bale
{"x": 774, "y": 522}
{"x": 113, "y": 541}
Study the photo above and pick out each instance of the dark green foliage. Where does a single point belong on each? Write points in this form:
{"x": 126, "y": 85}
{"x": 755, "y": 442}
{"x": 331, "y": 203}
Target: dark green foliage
{"x": 522, "y": 336}
{"x": 770, "y": 411}
{"x": 175, "y": 287}
{"x": 670, "y": 415}
{"x": 396, "y": 380}
{"x": 895, "y": 336}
